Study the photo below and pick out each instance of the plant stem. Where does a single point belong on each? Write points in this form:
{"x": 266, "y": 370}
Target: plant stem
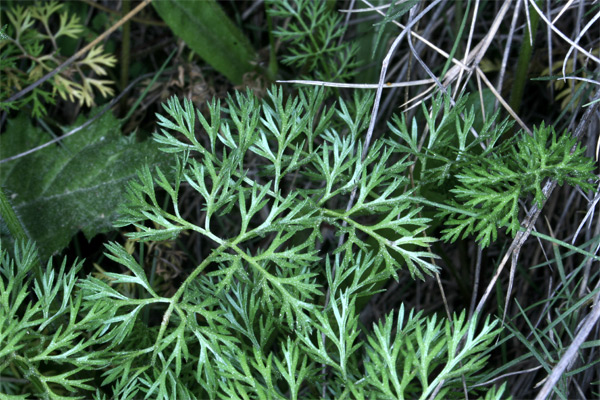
{"x": 125, "y": 50}
{"x": 16, "y": 228}
{"x": 10, "y": 218}
{"x": 516, "y": 97}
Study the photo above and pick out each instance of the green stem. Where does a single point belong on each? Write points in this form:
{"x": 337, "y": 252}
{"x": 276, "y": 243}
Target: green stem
{"x": 272, "y": 69}
{"x": 459, "y": 29}
{"x": 175, "y": 299}
{"x": 516, "y": 97}
{"x": 10, "y": 218}
{"x": 7, "y": 213}
{"x": 125, "y": 51}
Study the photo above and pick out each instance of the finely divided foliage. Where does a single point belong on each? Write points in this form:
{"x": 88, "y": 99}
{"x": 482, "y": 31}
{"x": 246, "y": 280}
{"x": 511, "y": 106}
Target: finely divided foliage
{"x": 485, "y": 177}
{"x": 297, "y": 220}
{"x": 28, "y": 54}
{"x": 312, "y": 37}
{"x": 249, "y": 319}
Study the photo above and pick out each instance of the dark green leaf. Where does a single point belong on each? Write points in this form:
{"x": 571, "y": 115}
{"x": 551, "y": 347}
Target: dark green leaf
{"x": 74, "y": 186}
{"x": 207, "y": 30}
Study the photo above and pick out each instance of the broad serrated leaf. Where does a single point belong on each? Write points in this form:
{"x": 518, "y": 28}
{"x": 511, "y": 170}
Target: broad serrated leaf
{"x": 77, "y": 185}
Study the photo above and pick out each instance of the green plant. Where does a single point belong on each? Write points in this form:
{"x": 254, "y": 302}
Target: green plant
{"x": 313, "y": 39}
{"x": 259, "y": 255}
{"x": 30, "y": 48}
{"x": 483, "y": 177}
{"x": 251, "y": 318}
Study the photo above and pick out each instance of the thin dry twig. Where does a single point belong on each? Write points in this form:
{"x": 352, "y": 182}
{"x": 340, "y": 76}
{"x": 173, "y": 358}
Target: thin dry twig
{"x": 509, "y": 40}
{"x": 502, "y": 101}
{"x": 562, "y": 35}
{"x": 562, "y": 11}
{"x": 468, "y": 47}
{"x": 504, "y": 376}
{"x": 82, "y": 126}
{"x": 475, "y": 56}
{"x": 549, "y": 41}
{"x": 567, "y": 359}
{"x": 421, "y": 38}
{"x": 99, "y": 6}
{"x": 476, "y": 281}
{"x": 387, "y": 85}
